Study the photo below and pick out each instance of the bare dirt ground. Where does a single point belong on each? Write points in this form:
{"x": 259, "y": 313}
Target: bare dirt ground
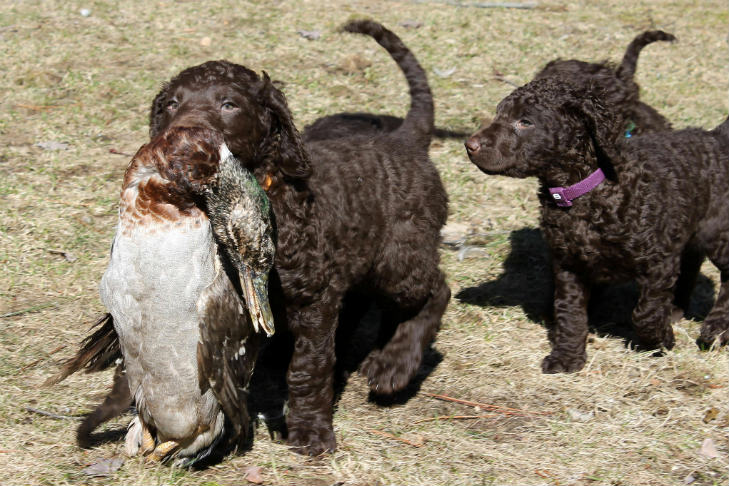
{"x": 76, "y": 89}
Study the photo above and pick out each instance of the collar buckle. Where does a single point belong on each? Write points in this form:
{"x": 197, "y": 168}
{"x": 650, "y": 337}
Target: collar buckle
{"x": 563, "y": 196}
{"x": 559, "y": 198}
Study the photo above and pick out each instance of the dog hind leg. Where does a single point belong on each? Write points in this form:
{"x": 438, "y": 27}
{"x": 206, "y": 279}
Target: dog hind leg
{"x": 716, "y": 324}
{"x": 391, "y": 368}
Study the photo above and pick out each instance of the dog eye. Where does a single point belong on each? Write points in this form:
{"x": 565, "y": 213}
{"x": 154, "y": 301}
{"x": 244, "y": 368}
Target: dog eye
{"x": 228, "y": 106}
{"x": 523, "y": 123}
{"x": 172, "y": 105}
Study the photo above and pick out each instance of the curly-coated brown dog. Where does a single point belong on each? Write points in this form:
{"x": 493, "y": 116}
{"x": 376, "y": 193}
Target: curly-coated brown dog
{"x": 644, "y": 209}
{"x": 617, "y": 82}
{"x": 352, "y": 213}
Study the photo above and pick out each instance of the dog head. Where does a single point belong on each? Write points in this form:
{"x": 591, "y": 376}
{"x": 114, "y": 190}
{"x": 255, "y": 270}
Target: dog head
{"x": 250, "y": 112}
{"x": 545, "y": 128}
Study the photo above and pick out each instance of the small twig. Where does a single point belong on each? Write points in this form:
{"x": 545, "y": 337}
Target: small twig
{"x": 485, "y": 406}
{"x": 43, "y": 107}
{"x": 41, "y": 359}
{"x": 457, "y": 417}
{"x": 500, "y": 77}
{"x": 8, "y": 451}
{"x": 29, "y": 309}
{"x": 31, "y": 364}
{"x": 115, "y": 151}
{"x": 390, "y": 436}
{"x": 528, "y": 5}
{"x": 36, "y": 107}
{"x": 51, "y": 414}
{"x": 501, "y": 5}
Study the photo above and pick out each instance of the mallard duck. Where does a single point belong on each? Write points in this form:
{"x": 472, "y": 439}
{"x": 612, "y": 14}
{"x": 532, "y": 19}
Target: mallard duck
{"x": 186, "y": 287}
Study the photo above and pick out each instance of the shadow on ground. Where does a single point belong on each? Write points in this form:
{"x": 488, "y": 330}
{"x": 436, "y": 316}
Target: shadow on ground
{"x": 362, "y": 328}
{"x": 111, "y": 435}
{"x": 527, "y": 282}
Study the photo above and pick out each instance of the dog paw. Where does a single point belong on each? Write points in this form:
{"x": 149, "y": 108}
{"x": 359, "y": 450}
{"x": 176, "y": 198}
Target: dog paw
{"x": 310, "y": 442}
{"x": 650, "y": 342}
{"x": 563, "y": 364}
{"x": 669, "y": 340}
{"x": 386, "y": 376}
{"x": 711, "y": 334}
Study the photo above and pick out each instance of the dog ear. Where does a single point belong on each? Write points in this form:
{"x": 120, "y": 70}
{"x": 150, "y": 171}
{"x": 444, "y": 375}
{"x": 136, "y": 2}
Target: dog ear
{"x": 157, "y": 110}
{"x": 603, "y": 126}
{"x": 291, "y": 156}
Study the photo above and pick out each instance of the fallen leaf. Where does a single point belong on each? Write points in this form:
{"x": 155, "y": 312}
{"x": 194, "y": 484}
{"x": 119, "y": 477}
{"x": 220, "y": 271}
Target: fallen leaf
{"x": 252, "y": 474}
{"x": 578, "y": 416}
{"x": 354, "y": 63}
{"x": 454, "y": 234}
{"x": 711, "y": 414}
{"x": 65, "y": 254}
{"x": 105, "y": 467}
{"x": 418, "y": 440}
{"x": 471, "y": 252}
{"x": 444, "y": 73}
{"x": 411, "y": 24}
{"x": 309, "y": 34}
{"x": 51, "y": 145}
{"x": 708, "y": 449}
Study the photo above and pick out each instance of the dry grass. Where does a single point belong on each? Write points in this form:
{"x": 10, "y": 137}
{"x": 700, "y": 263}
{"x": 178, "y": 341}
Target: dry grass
{"x": 628, "y": 418}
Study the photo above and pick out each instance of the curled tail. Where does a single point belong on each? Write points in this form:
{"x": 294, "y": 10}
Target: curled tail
{"x": 420, "y": 117}
{"x": 626, "y": 70}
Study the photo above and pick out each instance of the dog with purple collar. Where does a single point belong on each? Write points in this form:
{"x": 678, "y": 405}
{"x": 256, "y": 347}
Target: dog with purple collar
{"x": 648, "y": 209}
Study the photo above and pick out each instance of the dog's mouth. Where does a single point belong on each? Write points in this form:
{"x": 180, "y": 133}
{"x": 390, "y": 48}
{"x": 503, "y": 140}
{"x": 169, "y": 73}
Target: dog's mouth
{"x": 490, "y": 162}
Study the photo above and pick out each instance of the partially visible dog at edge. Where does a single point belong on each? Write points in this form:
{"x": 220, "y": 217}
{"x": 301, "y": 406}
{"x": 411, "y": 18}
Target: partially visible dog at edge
{"x": 646, "y": 209}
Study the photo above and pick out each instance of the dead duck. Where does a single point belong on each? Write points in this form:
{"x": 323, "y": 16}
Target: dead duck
{"x": 186, "y": 291}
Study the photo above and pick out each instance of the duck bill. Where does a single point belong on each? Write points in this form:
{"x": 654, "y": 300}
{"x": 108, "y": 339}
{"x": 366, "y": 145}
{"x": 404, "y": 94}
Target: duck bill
{"x": 255, "y": 292}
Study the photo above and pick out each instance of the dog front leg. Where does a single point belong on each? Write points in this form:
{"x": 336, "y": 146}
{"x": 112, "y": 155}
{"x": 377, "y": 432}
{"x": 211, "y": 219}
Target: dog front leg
{"x": 309, "y": 378}
{"x": 569, "y": 333}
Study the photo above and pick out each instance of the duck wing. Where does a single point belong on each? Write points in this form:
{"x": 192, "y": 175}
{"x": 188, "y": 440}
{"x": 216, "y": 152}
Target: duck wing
{"x": 226, "y": 351}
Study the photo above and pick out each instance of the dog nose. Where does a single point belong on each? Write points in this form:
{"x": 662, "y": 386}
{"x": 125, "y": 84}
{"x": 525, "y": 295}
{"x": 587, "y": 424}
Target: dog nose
{"x": 472, "y": 146}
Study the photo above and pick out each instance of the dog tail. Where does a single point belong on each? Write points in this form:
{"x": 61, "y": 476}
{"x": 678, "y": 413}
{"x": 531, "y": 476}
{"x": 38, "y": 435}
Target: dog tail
{"x": 627, "y": 67}
{"x": 115, "y": 403}
{"x": 98, "y": 351}
{"x": 421, "y": 116}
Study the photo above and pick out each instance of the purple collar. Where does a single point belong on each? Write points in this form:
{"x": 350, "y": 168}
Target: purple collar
{"x": 563, "y": 196}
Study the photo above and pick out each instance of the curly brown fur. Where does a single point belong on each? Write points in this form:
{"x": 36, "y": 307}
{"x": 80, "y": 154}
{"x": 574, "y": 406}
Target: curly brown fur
{"x": 665, "y": 204}
{"x": 617, "y": 83}
{"x": 352, "y": 212}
